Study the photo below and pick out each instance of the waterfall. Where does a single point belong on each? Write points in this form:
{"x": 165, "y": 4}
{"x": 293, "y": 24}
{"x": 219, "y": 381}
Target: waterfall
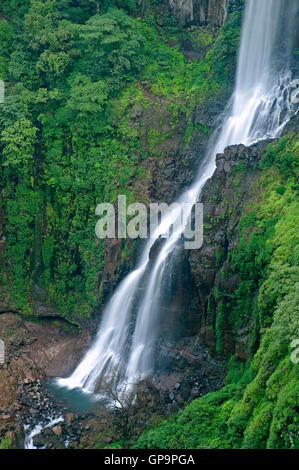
{"x": 259, "y": 108}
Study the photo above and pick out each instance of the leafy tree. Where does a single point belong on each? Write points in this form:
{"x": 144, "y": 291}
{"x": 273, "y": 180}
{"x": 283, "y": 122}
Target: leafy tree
{"x": 19, "y": 141}
{"x": 6, "y": 38}
{"x": 87, "y": 96}
{"x": 113, "y": 48}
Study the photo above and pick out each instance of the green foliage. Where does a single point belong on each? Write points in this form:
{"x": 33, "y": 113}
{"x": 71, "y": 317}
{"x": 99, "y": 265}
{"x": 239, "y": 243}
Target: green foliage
{"x": 279, "y": 284}
{"x": 6, "y": 38}
{"x": 14, "y": 9}
{"x": 267, "y": 253}
{"x": 113, "y": 48}
{"x": 224, "y": 53}
{"x": 18, "y": 145}
{"x": 201, "y": 425}
{"x": 87, "y": 96}
{"x": 284, "y": 156}
{"x": 5, "y": 443}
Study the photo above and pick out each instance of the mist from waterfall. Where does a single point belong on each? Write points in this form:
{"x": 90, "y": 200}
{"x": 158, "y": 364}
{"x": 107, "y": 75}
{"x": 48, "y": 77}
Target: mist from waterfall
{"x": 259, "y": 109}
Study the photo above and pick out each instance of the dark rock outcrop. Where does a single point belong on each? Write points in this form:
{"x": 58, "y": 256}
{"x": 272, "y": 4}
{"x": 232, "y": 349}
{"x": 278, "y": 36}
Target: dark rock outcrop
{"x": 225, "y": 197}
{"x": 200, "y": 11}
{"x": 190, "y": 12}
{"x": 32, "y": 353}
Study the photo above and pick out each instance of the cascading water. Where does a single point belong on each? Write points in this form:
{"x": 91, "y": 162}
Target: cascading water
{"x": 258, "y": 109}
{"x": 37, "y": 429}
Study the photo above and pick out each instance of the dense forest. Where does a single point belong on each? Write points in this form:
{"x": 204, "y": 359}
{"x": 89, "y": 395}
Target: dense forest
{"x": 72, "y": 77}
{"x": 120, "y": 97}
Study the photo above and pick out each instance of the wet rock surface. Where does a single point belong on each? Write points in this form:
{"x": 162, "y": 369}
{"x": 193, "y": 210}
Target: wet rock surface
{"x": 59, "y": 427}
{"x": 26, "y": 401}
{"x": 193, "y": 371}
{"x": 200, "y": 11}
{"x": 224, "y": 197}
{"x": 33, "y": 353}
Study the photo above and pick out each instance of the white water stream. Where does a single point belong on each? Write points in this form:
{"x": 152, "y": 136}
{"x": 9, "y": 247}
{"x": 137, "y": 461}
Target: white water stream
{"x": 28, "y": 444}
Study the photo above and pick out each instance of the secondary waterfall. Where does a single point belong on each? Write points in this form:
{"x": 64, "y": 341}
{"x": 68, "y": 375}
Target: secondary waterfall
{"x": 258, "y": 109}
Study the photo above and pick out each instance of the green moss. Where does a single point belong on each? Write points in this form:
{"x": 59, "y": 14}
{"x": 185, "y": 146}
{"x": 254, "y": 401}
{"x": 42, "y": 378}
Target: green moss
{"x": 5, "y": 443}
{"x": 203, "y": 424}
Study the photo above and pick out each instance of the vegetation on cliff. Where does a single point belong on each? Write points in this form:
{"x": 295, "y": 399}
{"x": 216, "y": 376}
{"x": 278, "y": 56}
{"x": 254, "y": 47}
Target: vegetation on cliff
{"x": 73, "y": 80}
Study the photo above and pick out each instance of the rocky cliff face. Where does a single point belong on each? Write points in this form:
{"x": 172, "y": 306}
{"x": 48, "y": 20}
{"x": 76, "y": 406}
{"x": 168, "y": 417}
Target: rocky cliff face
{"x": 190, "y": 12}
{"x": 192, "y": 306}
{"x": 225, "y": 197}
{"x": 168, "y": 173}
{"x": 200, "y": 11}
